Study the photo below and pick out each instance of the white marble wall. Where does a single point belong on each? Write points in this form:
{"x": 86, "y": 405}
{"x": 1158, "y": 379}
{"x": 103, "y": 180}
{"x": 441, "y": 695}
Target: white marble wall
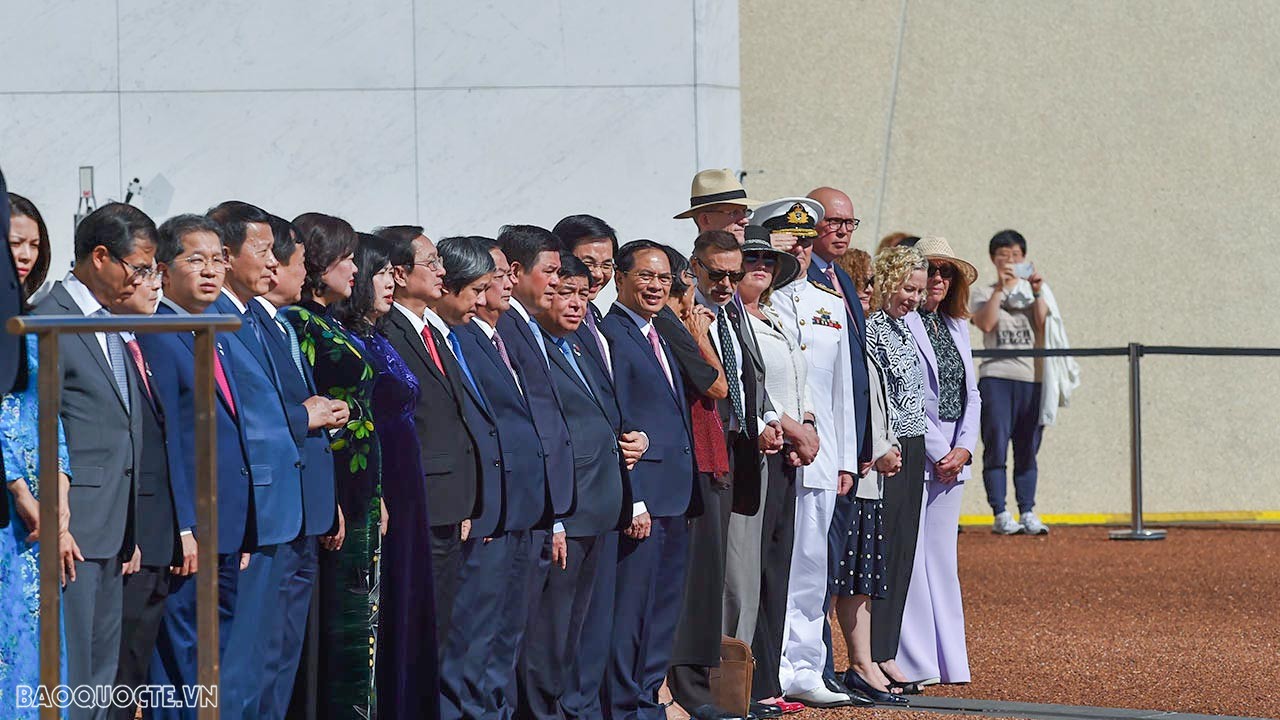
{"x": 460, "y": 116}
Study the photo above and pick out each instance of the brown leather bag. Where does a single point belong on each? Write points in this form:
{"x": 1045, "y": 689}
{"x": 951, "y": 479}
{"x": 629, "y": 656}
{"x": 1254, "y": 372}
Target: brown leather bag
{"x": 731, "y": 682}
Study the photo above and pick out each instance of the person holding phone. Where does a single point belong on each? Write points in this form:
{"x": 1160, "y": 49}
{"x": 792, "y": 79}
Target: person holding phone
{"x": 1011, "y": 313}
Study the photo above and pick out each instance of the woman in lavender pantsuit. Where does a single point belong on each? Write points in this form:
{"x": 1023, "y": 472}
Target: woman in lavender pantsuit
{"x": 932, "y": 643}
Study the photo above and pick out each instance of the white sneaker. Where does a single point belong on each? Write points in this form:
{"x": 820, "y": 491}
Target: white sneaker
{"x": 1006, "y": 525}
{"x": 1033, "y": 525}
{"x": 821, "y": 697}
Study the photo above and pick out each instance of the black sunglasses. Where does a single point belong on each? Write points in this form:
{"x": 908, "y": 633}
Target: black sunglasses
{"x": 946, "y": 272}
{"x": 759, "y": 258}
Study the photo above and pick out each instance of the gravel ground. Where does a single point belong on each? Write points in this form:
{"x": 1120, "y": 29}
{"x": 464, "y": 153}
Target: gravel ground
{"x": 1189, "y": 624}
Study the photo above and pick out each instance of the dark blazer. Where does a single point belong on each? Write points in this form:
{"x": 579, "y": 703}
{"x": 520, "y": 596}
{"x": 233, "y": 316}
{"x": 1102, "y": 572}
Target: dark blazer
{"x": 597, "y": 471}
{"x": 664, "y": 477}
{"x": 171, "y": 357}
{"x": 449, "y": 458}
{"x": 698, "y": 374}
{"x": 601, "y": 378}
{"x": 11, "y": 355}
{"x": 524, "y": 503}
{"x": 744, "y": 447}
{"x": 544, "y": 404}
{"x": 858, "y": 353}
{"x": 274, "y": 461}
{"x": 483, "y": 429}
{"x": 319, "y": 495}
{"x": 101, "y": 436}
{"x": 157, "y": 533}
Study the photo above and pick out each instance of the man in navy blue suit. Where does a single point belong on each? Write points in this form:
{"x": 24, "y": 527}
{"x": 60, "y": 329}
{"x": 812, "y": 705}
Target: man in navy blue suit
{"x": 835, "y": 232}
{"x": 497, "y": 566}
{"x": 274, "y": 456}
{"x": 297, "y": 561}
{"x": 190, "y": 255}
{"x": 551, "y": 662}
{"x": 652, "y": 552}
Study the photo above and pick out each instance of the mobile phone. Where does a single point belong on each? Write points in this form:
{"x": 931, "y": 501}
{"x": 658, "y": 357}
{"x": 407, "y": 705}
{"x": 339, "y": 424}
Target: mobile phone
{"x": 1024, "y": 270}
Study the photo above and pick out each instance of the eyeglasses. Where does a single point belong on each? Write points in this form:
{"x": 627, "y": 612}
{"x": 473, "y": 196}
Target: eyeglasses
{"x": 197, "y": 263}
{"x": 432, "y": 264}
{"x": 759, "y": 258}
{"x": 715, "y": 276}
{"x": 648, "y": 277}
{"x": 139, "y": 273}
{"x": 945, "y": 271}
{"x": 849, "y": 223}
{"x": 735, "y": 214}
{"x": 607, "y": 265}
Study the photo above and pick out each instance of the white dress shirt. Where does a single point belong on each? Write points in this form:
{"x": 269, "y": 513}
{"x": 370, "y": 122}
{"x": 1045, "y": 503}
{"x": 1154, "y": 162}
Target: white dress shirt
{"x": 88, "y": 305}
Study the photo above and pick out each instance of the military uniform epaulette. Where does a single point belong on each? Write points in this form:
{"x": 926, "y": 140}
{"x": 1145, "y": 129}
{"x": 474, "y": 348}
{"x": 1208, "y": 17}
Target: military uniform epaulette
{"x": 824, "y": 288}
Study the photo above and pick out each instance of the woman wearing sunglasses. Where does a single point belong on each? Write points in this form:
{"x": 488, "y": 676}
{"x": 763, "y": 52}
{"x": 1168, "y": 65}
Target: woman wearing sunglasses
{"x": 932, "y": 643}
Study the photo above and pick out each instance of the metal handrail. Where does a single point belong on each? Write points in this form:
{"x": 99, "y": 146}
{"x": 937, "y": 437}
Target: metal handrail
{"x": 47, "y": 328}
{"x": 1134, "y": 351}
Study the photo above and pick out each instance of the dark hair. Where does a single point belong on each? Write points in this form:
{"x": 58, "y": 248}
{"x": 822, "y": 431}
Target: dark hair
{"x": 22, "y": 207}
{"x": 399, "y": 239}
{"x": 371, "y": 254}
{"x": 571, "y": 267}
{"x": 466, "y": 259}
{"x": 286, "y": 239}
{"x": 626, "y": 258}
{"x": 524, "y": 243}
{"x": 715, "y": 240}
{"x": 177, "y": 227}
{"x": 1004, "y": 239}
{"x": 577, "y": 229}
{"x": 679, "y": 266}
{"x": 235, "y": 216}
{"x": 895, "y": 239}
{"x": 327, "y": 240}
{"x": 114, "y": 226}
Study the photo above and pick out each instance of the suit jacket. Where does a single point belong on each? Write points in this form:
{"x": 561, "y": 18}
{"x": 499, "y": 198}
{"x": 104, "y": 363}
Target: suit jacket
{"x": 698, "y": 374}
{"x": 315, "y": 465}
{"x": 597, "y": 468}
{"x": 12, "y": 360}
{"x": 744, "y": 447}
{"x": 157, "y": 531}
{"x": 937, "y": 440}
{"x": 664, "y": 477}
{"x": 103, "y": 439}
{"x": 483, "y": 429}
{"x": 544, "y": 404}
{"x": 171, "y": 357}
{"x": 274, "y": 462}
{"x": 449, "y": 458}
{"x": 857, "y": 353}
{"x": 524, "y": 503}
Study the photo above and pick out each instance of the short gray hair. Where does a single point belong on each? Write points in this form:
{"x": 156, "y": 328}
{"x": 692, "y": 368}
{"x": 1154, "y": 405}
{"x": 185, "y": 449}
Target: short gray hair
{"x": 466, "y": 259}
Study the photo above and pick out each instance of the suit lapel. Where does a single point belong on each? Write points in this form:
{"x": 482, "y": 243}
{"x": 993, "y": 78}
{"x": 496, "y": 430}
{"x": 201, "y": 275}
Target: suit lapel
{"x": 916, "y": 325}
{"x": 89, "y": 340}
{"x": 490, "y": 353}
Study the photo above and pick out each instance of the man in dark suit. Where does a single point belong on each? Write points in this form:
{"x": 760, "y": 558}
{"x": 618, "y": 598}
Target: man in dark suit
{"x": 550, "y": 664}
{"x": 190, "y": 254}
{"x": 834, "y": 234}
{"x": 297, "y": 561}
{"x": 496, "y": 567}
{"x": 157, "y": 545}
{"x": 274, "y": 456}
{"x": 652, "y": 552}
{"x": 717, "y": 265}
{"x": 450, "y": 462}
{"x": 101, "y": 414}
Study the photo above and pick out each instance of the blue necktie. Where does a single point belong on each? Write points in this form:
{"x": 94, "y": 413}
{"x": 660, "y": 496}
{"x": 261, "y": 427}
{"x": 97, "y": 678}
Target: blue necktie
{"x": 568, "y": 355}
{"x": 115, "y": 355}
{"x": 294, "y": 350}
{"x": 462, "y": 362}
{"x": 537, "y": 337}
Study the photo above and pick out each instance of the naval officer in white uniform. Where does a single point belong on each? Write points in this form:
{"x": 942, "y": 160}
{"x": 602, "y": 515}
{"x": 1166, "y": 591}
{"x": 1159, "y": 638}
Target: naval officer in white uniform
{"x": 817, "y": 316}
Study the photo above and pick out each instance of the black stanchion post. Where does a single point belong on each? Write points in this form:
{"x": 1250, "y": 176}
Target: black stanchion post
{"x": 1136, "y": 530}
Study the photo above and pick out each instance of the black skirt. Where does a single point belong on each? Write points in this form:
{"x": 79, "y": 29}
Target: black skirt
{"x": 859, "y": 567}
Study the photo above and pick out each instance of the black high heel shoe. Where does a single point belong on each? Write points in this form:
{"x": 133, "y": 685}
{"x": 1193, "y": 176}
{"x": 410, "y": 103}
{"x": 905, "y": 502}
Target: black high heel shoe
{"x": 854, "y": 681}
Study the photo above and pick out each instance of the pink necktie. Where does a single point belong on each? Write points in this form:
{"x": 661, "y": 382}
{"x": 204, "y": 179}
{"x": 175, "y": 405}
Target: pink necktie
{"x": 835, "y": 285}
{"x": 136, "y": 352}
{"x": 220, "y": 377}
{"x": 657, "y": 351}
{"x": 506, "y": 359}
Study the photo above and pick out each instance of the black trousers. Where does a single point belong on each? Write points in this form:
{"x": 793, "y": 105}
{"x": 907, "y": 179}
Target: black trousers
{"x": 777, "y": 535}
{"x": 143, "y": 610}
{"x": 903, "y": 495}
{"x": 446, "y": 573}
{"x": 697, "y": 643}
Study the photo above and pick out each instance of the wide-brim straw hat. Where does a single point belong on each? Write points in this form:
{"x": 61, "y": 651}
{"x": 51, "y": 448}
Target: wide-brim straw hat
{"x": 786, "y": 266}
{"x": 937, "y": 248}
{"x": 716, "y": 187}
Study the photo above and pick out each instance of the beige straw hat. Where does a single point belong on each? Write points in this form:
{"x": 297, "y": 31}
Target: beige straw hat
{"x": 713, "y": 187}
{"x": 937, "y": 248}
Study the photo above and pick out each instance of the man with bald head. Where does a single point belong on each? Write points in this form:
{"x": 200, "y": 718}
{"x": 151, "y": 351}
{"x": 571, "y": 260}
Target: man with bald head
{"x": 835, "y": 231}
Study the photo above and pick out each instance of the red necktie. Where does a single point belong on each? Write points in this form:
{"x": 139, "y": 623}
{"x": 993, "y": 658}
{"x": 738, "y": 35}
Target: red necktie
{"x": 220, "y": 377}
{"x": 136, "y": 352}
{"x": 430, "y": 340}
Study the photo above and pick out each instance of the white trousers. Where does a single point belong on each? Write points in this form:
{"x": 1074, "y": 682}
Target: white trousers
{"x": 932, "y": 642}
{"x": 804, "y": 654}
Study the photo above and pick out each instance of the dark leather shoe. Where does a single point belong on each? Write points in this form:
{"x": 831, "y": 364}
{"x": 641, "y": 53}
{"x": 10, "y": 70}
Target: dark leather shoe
{"x": 855, "y": 682}
{"x": 761, "y": 710}
{"x": 711, "y": 712}
{"x": 855, "y": 697}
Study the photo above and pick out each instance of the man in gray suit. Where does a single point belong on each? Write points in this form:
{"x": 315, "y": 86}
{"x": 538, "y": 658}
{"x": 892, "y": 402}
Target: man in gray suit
{"x": 115, "y": 255}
